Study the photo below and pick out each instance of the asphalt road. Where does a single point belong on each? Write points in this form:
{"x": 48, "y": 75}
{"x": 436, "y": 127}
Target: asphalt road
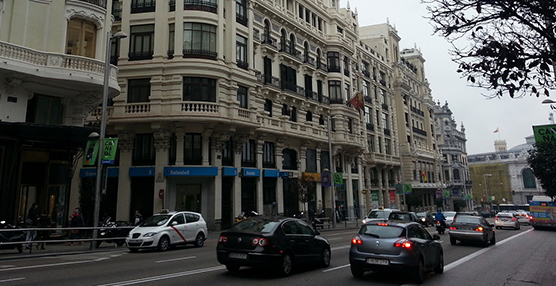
{"x": 520, "y": 257}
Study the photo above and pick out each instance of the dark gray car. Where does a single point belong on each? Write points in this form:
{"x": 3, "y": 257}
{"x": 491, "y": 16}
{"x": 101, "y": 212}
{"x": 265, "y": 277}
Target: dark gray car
{"x": 404, "y": 246}
{"x": 472, "y": 228}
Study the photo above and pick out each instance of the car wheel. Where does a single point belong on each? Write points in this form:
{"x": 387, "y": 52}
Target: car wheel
{"x": 232, "y": 267}
{"x": 493, "y": 239}
{"x": 286, "y": 265}
{"x": 497, "y": 227}
{"x": 485, "y": 241}
{"x": 439, "y": 269}
{"x": 452, "y": 241}
{"x": 164, "y": 243}
{"x": 357, "y": 271}
{"x": 325, "y": 258}
{"x": 518, "y": 226}
{"x": 120, "y": 242}
{"x": 419, "y": 272}
{"x": 199, "y": 240}
{"x": 133, "y": 250}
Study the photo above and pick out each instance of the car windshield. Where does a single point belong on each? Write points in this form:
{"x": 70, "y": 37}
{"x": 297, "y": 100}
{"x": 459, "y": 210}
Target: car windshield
{"x": 449, "y": 214}
{"x": 399, "y": 216}
{"x": 381, "y": 231}
{"x": 255, "y": 225}
{"x": 156, "y": 220}
{"x": 467, "y": 219}
{"x": 421, "y": 214}
{"x": 378, "y": 214}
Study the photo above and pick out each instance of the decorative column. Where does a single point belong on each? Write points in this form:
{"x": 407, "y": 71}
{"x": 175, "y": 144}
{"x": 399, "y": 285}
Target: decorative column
{"x": 162, "y": 146}
{"x": 259, "y": 153}
{"x": 125, "y": 145}
{"x": 280, "y": 182}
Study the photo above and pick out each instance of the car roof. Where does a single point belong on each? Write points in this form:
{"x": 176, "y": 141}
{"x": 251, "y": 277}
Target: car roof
{"x": 393, "y": 223}
{"x": 175, "y": 212}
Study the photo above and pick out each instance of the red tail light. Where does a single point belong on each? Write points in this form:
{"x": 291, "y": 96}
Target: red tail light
{"x": 403, "y": 243}
{"x": 357, "y": 240}
{"x": 453, "y": 228}
{"x": 513, "y": 218}
{"x": 480, "y": 228}
{"x": 259, "y": 241}
{"x": 382, "y": 224}
{"x": 496, "y": 218}
{"x": 222, "y": 239}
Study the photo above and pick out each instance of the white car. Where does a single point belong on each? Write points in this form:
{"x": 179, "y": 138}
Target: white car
{"x": 167, "y": 229}
{"x": 449, "y": 217}
{"x": 506, "y": 220}
{"x": 378, "y": 214}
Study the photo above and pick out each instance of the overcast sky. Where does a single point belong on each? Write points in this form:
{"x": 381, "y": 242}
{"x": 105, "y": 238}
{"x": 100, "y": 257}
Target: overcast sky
{"x": 480, "y": 116}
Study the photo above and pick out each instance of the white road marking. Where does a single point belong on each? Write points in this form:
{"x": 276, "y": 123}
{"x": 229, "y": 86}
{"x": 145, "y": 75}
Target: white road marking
{"x": 166, "y": 276}
{"x": 335, "y": 238}
{"x": 175, "y": 259}
{"x": 6, "y": 266}
{"x": 336, "y": 268}
{"x": 341, "y": 247}
{"x": 12, "y": 279}
{"x": 45, "y": 265}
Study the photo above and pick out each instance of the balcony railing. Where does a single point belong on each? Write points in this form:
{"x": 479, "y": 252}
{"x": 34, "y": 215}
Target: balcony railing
{"x": 368, "y": 99}
{"x": 267, "y": 39}
{"x": 141, "y": 55}
{"x": 336, "y": 101}
{"x": 322, "y": 66}
{"x": 370, "y": 126}
{"x": 419, "y": 131}
{"x": 385, "y": 106}
{"x": 189, "y": 53}
{"x": 387, "y": 131}
{"x": 334, "y": 69}
{"x": 207, "y": 6}
{"x": 366, "y": 73}
{"x": 242, "y": 64}
{"x": 100, "y": 3}
{"x": 324, "y": 99}
{"x": 309, "y": 60}
{"x": 242, "y": 19}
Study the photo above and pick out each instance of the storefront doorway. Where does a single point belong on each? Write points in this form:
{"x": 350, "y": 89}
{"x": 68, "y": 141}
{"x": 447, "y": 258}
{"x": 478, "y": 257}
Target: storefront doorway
{"x": 188, "y": 198}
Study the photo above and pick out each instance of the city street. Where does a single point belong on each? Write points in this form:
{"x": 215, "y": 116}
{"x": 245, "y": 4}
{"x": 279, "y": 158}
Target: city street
{"x": 520, "y": 257}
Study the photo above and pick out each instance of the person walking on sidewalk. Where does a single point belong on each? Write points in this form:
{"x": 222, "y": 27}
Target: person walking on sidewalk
{"x": 31, "y": 222}
{"x": 44, "y": 222}
{"x": 76, "y": 221}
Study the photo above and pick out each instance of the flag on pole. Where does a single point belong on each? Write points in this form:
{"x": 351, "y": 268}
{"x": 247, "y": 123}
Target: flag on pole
{"x": 496, "y": 131}
{"x": 357, "y": 101}
{"x": 424, "y": 176}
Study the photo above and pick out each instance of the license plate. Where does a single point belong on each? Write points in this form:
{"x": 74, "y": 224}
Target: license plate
{"x": 377, "y": 261}
{"x": 134, "y": 241}
{"x": 238, "y": 255}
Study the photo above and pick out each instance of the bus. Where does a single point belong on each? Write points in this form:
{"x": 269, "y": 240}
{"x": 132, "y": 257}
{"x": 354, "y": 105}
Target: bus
{"x": 510, "y": 207}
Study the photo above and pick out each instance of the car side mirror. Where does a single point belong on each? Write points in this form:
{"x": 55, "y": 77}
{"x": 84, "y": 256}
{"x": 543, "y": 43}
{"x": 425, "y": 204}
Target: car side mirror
{"x": 435, "y": 237}
{"x": 174, "y": 223}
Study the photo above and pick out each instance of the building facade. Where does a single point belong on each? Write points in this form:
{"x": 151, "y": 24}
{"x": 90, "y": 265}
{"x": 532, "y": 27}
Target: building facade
{"x": 457, "y": 194}
{"x": 50, "y": 79}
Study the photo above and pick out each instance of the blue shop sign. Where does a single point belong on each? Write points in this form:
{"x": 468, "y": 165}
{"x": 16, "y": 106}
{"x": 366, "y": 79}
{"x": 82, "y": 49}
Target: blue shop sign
{"x": 284, "y": 174}
{"x": 247, "y": 172}
{"x": 229, "y": 171}
{"x": 92, "y": 173}
{"x": 271, "y": 173}
{"x": 141, "y": 172}
{"x": 190, "y": 171}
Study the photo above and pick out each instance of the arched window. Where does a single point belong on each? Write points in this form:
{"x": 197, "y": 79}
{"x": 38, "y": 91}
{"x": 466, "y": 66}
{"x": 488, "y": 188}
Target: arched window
{"x": 81, "y": 38}
{"x": 283, "y": 40}
{"x": 306, "y": 52}
{"x": 528, "y": 179}
{"x": 456, "y": 175}
{"x": 266, "y": 33}
{"x": 292, "y": 44}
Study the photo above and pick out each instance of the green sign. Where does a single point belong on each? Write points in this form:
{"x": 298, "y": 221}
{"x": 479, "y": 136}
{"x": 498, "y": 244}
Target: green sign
{"x": 407, "y": 189}
{"x": 338, "y": 179}
{"x": 91, "y": 153}
{"x": 446, "y": 193}
{"x": 374, "y": 196}
{"x": 109, "y": 150}
{"x": 544, "y": 132}
{"x": 399, "y": 189}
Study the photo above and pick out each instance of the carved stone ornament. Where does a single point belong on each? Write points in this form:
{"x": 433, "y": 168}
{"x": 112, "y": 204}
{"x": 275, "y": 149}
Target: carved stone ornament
{"x": 220, "y": 142}
{"x": 239, "y": 140}
{"x": 11, "y": 83}
{"x": 161, "y": 139}
{"x": 125, "y": 140}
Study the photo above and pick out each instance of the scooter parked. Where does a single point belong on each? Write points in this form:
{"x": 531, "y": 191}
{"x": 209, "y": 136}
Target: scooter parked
{"x": 11, "y": 236}
{"x": 243, "y": 216}
{"x": 110, "y": 229}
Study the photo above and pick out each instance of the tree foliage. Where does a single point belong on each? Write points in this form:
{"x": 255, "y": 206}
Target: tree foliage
{"x": 542, "y": 161}
{"x": 305, "y": 190}
{"x": 509, "y": 45}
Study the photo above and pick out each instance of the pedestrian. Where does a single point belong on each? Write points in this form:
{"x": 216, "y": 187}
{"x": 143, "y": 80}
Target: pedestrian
{"x": 76, "y": 221}
{"x": 44, "y": 222}
{"x": 31, "y": 222}
{"x": 138, "y": 218}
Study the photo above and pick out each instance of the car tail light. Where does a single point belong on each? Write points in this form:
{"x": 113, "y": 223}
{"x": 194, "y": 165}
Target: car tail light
{"x": 222, "y": 239}
{"x": 480, "y": 228}
{"x": 453, "y": 228}
{"x": 382, "y": 224}
{"x": 496, "y": 218}
{"x": 259, "y": 241}
{"x": 356, "y": 240}
{"x": 403, "y": 243}
{"x": 513, "y": 218}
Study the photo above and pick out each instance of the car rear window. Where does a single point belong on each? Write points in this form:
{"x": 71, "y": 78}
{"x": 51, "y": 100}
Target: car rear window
{"x": 398, "y": 216}
{"x": 382, "y": 231}
{"x": 505, "y": 214}
{"x": 255, "y": 225}
{"x": 379, "y": 214}
{"x": 467, "y": 219}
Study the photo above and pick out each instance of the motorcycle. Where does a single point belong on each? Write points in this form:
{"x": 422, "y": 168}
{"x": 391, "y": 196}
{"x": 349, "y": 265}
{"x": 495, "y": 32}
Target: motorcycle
{"x": 440, "y": 227}
{"x": 11, "y": 236}
{"x": 113, "y": 232}
{"x": 243, "y": 216}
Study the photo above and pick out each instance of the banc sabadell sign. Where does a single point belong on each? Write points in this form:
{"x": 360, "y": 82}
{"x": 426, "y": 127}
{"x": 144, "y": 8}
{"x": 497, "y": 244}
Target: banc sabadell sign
{"x": 544, "y": 132}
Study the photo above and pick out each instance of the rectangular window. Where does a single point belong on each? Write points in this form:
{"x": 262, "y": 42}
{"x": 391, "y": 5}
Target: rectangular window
{"x": 228, "y": 154}
{"x": 192, "y": 149}
{"x": 241, "y": 12}
{"x": 199, "y": 40}
{"x": 241, "y": 52}
{"x": 269, "y": 156}
{"x": 368, "y": 115}
{"x": 311, "y": 161}
{"x": 324, "y": 160}
{"x": 267, "y": 70}
{"x": 268, "y": 107}
{"x": 201, "y": 5}
{"x": 171, "y": 40}
{"x": 293, "y": 114}
{"x": 290, "y": 159}
{"x": 288, "y": 78}
{"x": 242, "y": 96}
{"x": 248, "y": 158}
{"x": 81, "y": 38}
{"x": 143, "y": 150}
{"x": 388, "y": 146}
{"x": 44, "y": 109}
{"x": 333, "y": 61}
{"x": 142, "y": 42}
{"x": 138, "y": 90}
{"x": 199, "y": 89}
{"x": 142, "y": 6}
{"x": 385, "y": 122}
{"x": 371, "y": 142}
{"x": 380, "y": 145}
{"x": 335, "y": 91}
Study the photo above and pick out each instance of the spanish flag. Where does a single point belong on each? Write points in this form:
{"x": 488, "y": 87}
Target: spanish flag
{"x": 496, "y": 131}
{"x": 357, "y": 101}
{"x": 424, "y": 176}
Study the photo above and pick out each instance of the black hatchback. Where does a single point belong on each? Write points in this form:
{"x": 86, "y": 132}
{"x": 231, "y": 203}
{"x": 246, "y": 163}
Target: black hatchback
{"x": 278, "y": 243}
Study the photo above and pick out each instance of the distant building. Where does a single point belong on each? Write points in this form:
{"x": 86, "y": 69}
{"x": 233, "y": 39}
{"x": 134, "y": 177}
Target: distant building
{"x": 504, "y": 176}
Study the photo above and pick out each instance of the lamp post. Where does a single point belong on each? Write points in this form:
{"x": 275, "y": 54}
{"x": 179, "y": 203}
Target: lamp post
{"x": 109, "y": 37}
{"x": 332, "y": 195}
{"x": 484, "y": 183}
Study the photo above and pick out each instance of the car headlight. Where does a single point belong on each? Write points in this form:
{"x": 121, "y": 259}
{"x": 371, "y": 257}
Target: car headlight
{"x": 149, "y": 234}
{"x": 423, "y": 219}
{"x": 364, "y": 221}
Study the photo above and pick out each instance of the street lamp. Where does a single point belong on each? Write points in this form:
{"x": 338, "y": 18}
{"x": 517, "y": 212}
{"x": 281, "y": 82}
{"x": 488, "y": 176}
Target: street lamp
{"x": 484, "y": 183}
{"x": 107, "y": 66}
{"x": 332, "y": 195}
